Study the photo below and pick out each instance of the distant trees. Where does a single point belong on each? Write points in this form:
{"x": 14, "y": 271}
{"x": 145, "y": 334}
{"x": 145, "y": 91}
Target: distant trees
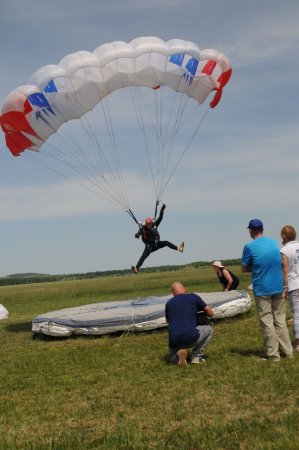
{"x": 28, "y": 278}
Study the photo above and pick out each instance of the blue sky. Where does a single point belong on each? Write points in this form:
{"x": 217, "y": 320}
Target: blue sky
{"x": 243, "y": 164}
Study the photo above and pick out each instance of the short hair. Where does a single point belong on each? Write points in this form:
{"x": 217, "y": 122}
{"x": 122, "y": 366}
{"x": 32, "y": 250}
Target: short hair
{"x": 256, "y": 231}
{"x": 288, "y": 233}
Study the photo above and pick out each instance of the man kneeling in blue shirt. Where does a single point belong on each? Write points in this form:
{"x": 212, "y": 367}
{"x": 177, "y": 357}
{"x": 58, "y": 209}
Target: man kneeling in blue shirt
{"x": 182, "y": 313}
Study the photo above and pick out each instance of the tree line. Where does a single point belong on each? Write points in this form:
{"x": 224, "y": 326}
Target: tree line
{"x": 29, "y": 278}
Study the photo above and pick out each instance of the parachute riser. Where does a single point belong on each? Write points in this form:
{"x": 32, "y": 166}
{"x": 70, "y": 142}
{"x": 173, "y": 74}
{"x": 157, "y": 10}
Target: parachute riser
{"x": 132, "y": 215}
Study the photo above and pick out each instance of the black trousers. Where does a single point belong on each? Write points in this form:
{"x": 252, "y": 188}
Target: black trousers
{"x": 148, "y": 250}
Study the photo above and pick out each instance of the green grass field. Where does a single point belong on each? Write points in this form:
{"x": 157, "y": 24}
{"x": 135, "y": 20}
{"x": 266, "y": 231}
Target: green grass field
{"x": 116, "y": 392}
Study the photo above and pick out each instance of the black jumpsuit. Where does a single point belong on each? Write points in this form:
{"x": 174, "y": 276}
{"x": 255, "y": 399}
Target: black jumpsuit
{"x": 151, "y": 238}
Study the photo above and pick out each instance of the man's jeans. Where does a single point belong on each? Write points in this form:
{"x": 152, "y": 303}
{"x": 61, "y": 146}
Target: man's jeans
{"x": 205, "y": 334}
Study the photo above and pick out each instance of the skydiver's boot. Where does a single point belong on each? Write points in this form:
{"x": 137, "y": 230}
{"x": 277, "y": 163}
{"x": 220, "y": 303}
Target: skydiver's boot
{"x": 181, "y": 247}
{"x": 134, "y": 269}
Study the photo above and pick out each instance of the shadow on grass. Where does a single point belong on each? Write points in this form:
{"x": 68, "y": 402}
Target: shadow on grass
{"x": 233, "y": 319}
{"x": 19, "y": 327}
{"x": 116, "y": 334}
{"x": 246, "y": 352}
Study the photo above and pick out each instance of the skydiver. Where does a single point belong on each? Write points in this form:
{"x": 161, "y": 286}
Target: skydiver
{"x": 151, "y": 238}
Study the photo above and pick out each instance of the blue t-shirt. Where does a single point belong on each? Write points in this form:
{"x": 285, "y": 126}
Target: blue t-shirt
{"x": 181, "y": 314}
{"x": 263, "y": 255}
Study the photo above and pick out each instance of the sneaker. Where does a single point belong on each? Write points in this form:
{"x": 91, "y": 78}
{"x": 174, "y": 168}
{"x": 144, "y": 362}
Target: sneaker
{"x": 198, "y": 360}
{"x": 289, "y": 355}
{"x": 182, "y": 354}
{"x": 297, "y": 348}
{"x": 266, "y": 358}
{"x": 134, "y": 269}
{"x": 181, "y": 247}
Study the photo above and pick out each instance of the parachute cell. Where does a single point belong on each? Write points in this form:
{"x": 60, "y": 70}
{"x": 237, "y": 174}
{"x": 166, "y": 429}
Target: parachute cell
{"x": 40, "y": 108}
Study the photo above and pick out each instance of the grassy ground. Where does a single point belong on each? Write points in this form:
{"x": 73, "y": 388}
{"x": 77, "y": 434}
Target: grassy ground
{"x": 116, "y": 392}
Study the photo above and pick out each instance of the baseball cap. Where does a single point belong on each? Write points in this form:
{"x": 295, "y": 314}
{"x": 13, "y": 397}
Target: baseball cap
{"x": 255, "y": 223}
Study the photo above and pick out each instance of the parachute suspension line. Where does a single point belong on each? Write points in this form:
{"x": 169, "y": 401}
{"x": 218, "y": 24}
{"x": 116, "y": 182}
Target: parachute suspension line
{"x": 160, "y": 128}
{"x": 95, "y": 192}
{"x": 168, "y": 128}
{"x": 138, "y": 111}
{"x": 173, "y": 126}
{"x": 91, "y": 136}
{"x": 159, "y": 105}
{"x": 140, "y": 106}
{"x": 186, "y": 148}
{"x": 159, "y": 108}
{"x": 113, "y": 177}
{"x": 76, "y": 154}
{"x": 166, "y": 147}
{"x": 165, "y": 141}
{"x": 71, "y": 145}
{"x": 113, "y": 180}
{"x": 59, "y": 154}
{"x": 99, "y": 157}
{"x": 120, "y": 183}
{"x": 77, "y": 165}
{"x": 94, "y": 144}
{"x": 137, "y": 103}
{"x": 74, "y": 158}
{"x": 156, "y": 117}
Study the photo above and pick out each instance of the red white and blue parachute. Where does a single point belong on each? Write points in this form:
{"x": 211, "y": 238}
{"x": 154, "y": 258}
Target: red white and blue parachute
{"x": 57, "y": 94}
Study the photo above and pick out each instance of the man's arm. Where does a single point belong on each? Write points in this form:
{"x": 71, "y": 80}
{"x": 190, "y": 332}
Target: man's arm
{"x": 159, "y": 220}
{"x": 140, "y": 231}
{"x": 204, "y": 315}
{"x": 246, "y": 260}
{"x": 166, "y": 314}
{"x": 228, "y": 278}
{"x": 209, "y": 311}
{"x": 285, "y": 271}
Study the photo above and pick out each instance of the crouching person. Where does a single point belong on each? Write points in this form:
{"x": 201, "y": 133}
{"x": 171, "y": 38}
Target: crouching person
{"x": 182, "y": 313}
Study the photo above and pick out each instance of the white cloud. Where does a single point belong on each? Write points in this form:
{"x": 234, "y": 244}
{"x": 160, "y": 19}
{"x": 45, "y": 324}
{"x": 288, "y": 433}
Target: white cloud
{"x": 264, "y": 38}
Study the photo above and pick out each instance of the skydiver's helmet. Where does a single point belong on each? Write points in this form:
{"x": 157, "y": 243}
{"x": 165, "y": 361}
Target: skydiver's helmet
{"x": 149, "y": 222}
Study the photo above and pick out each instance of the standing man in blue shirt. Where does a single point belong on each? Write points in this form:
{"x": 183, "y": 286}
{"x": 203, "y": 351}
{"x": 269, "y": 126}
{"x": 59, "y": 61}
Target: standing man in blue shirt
{"x": 262, "y": 258}
{"x": 184, "y": 331}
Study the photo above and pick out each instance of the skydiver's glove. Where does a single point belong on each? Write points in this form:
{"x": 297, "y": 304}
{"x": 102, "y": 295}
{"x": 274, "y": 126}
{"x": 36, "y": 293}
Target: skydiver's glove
{"x": 137, "y": 235}
{"x": 163, "y": 207}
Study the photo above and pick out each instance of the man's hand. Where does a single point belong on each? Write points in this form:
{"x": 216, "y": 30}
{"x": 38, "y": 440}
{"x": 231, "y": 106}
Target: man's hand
{"x": 137, "y": 235}
{"x": 163, "y": 207}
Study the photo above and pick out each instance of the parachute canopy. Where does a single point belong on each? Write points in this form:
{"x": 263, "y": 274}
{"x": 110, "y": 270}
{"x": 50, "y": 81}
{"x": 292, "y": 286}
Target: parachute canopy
{"x": 56, "y": 94}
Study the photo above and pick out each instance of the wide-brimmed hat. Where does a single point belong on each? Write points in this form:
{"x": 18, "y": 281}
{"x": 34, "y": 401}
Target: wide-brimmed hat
{"x": 218, "y": 264}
